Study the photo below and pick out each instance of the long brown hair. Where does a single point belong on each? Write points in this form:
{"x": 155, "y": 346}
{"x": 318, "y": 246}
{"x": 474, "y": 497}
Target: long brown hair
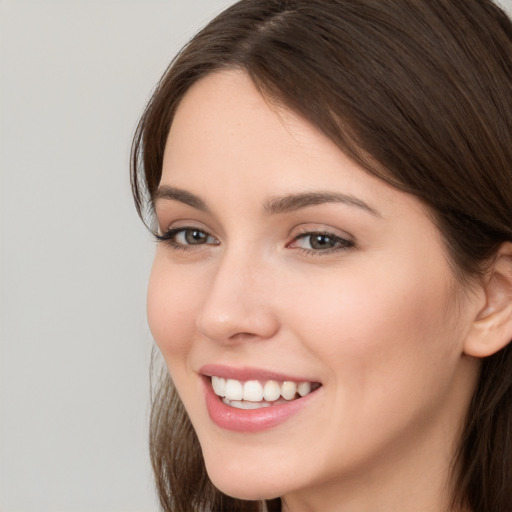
{"x": 419, "y": 93}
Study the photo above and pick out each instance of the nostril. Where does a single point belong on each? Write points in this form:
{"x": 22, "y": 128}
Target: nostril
{"x": 243, "y": 336}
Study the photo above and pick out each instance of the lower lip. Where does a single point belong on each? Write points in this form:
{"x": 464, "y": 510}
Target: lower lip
{"x": 250, "y": 420}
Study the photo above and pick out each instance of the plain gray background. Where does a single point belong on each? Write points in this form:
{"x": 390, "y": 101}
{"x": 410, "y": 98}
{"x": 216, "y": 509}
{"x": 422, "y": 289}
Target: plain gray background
{"x": 74, "y": 258}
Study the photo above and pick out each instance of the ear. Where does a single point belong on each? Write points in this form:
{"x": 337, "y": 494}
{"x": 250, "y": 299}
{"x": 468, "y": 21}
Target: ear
{"x": 492, "y": 328}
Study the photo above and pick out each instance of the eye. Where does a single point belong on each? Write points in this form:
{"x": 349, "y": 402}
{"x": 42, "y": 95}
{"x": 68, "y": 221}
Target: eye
{"x": 192, "y": 237}
{"x": 320, "y": 242}
{"x": 184, "y": 237}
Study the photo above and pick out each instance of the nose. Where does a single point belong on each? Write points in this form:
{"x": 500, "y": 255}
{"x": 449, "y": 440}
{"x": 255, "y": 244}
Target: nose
{"x": 239, "y": 301}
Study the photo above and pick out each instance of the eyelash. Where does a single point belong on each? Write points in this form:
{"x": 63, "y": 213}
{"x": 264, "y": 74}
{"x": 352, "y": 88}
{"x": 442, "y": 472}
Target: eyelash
{"x": 342, "y": 244}
{"x": 169, "y": 238}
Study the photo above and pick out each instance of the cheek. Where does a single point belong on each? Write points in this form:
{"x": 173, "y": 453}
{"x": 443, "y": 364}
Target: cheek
{"x": 388, "y": 354}
{"x": 171, "y": 308}
{"x": 376, "y": 327}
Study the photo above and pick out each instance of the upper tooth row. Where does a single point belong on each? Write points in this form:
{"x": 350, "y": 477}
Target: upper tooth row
{"x": 255, "y": 391}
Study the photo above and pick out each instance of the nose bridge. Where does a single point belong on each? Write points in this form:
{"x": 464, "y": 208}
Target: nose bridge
{"x": 238, "y": 299}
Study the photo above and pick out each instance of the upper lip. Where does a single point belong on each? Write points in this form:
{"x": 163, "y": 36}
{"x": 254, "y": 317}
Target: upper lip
{"x": 246, "y": 373}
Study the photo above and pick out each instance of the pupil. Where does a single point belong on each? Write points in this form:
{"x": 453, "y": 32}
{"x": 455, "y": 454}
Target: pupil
{"x": 193, "y": 236}
{"x": 321, "y": 242}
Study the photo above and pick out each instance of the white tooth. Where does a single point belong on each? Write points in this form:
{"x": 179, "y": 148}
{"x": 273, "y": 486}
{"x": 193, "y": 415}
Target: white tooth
{"x": 234, "y": 390}
{"x": 242, "y": 404}
{"x": 288, "y": 389}
{"x": 253, "y": 391}
{"x": 219, "y": 386}
{"x": 304, "y": 388}
{"x": 271, "y": 390}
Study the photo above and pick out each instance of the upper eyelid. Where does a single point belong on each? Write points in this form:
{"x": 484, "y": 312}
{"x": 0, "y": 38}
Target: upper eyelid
{"x": 165, "y": 227}
{"x": 321, "y": 229}
{"x": 321, "y": 232}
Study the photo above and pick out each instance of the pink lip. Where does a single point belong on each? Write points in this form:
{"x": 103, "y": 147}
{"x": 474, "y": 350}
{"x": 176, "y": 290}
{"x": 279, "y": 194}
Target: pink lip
{"x": 247, "y": 373}
{"x": 250, "y": 420}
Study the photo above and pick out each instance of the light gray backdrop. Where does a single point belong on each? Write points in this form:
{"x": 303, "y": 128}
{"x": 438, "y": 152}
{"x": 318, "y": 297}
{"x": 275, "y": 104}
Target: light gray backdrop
{"x": 74, "y": 259}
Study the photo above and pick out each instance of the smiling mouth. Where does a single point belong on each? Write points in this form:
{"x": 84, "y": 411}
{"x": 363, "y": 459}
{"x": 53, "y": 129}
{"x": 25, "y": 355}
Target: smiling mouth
{"x": 256, "y": 394}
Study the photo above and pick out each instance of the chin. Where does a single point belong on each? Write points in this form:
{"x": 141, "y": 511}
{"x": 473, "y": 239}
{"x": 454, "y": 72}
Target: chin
{"x": 244, "y": 483}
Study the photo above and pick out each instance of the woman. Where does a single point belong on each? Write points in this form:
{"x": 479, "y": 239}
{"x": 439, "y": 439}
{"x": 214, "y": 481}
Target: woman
{"x": 332, "y": 290}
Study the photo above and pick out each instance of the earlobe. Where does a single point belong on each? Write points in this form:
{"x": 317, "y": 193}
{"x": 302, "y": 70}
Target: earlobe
{"x": 492, "y": 328}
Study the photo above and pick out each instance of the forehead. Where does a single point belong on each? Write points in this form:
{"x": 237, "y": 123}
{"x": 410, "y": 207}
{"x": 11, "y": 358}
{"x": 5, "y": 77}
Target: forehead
{"x": 225, "y": 132}
{"x": 224, "y": 124}
{"x": 227, "y": 105}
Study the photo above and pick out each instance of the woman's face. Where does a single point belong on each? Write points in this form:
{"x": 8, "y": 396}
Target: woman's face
{"x": 283, "y": 261}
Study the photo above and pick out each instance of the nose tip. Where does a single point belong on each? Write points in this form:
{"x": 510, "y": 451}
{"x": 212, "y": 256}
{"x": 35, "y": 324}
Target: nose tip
{"x": 233, "y": 321}
{"x": 236, "y": 326}
{"x": 237, "y": 307}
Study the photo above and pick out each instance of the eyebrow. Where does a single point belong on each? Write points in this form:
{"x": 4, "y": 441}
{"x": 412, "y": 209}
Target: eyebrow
{"x": 177, "y": 194}
{"x": 293, "y": 202}
{"x": 276, "y": 205}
